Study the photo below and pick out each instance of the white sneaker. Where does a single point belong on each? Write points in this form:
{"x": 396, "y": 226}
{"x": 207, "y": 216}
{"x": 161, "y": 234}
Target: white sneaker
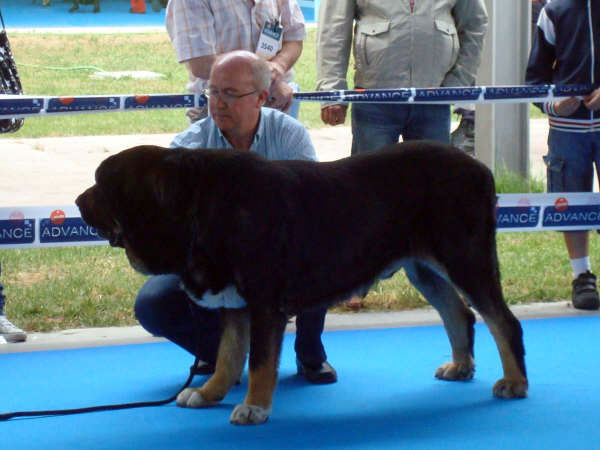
{"x": 10, "y": 332}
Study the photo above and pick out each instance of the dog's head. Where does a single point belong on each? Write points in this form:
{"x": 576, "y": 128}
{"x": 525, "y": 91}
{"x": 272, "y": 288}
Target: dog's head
{"x": 139, "y": 203}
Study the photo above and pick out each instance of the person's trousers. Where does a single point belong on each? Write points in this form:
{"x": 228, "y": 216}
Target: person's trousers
{"x": 164, "y": 309}
{"x": 376, "y": 125}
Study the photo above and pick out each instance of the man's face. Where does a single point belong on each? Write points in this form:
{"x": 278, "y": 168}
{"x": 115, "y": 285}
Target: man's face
{"x": 234, "y": 103}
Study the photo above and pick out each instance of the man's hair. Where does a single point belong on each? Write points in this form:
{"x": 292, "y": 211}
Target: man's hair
{"x": 261, "y": 74}
{"x": 259, "y": 69}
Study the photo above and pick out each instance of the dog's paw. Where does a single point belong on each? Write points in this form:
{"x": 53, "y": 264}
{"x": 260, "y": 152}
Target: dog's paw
{"x": 452, "y": 371}
{"x": 192, "y": 398}
{"x": 249, "y": 415}
{"x": 505, "y": 388}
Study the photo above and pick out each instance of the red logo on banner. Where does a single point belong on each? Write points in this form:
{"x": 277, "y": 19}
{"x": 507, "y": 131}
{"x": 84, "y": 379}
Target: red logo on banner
{"x": 561, "y": 204}
{"x": 141, "y": 98}
{"x": 524, "y": 202}
{"x": 65, "y": 100}
{"x": 57, "y": 217}
{"x": 16, "y": 215}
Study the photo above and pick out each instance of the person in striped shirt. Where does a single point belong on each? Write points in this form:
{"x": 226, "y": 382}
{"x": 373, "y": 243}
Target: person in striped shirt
{"x": 565, "y": 51}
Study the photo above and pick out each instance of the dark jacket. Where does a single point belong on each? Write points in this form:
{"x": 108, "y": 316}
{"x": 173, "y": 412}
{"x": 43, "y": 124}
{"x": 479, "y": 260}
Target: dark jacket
{"x": 566, "y": 50}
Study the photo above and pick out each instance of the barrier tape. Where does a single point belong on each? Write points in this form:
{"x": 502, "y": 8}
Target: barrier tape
{"x": 58, "y": 226}
{"x": 18, "y": 106}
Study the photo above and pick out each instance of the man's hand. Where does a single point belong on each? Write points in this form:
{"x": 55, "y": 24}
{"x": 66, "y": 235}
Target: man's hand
{"x": 592, "y": 101}
{"x": 281, "y": 96}
{"x": 277, "y": 70}
{"x": 334, "y": 114}
{"x": 567, "y": 106}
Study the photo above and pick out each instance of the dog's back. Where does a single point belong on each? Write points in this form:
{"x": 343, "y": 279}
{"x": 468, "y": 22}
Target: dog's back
{"x": 361, "y": 214}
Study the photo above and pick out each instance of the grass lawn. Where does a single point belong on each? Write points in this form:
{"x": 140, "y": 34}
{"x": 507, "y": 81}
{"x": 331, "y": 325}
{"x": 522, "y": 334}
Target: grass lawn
{"x": 49, "y": 289}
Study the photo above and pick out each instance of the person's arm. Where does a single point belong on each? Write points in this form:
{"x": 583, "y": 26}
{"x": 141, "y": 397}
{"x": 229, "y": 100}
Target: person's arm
{"x": 592, "y": 101}
{"x": 281, "y": 95}
{"x": 200, "y": 66}
{"x": 470, "y": 18}
{"x": 191, "y": 28}
{"x": 285, "y": 59}
{"x": 334, "y": 42}
{"x": 539, "y": 67}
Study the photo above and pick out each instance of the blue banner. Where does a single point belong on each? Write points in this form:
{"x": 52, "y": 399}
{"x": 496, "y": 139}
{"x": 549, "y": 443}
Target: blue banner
{"x": 62, "y": 104}
{"x": 573, "y": 215}
{"x": 447, "y": 94}
{"x": 160, "y": 101}
{"x": 21, "y": 106}
{"x": 517, "y": 216}
{"x": 74, "y": 229}
{"x": 514, "y": 92}
{"x": 17, "y": 231}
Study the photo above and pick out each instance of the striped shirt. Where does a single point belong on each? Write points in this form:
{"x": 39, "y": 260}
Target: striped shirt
{"x": 210, "y": 27}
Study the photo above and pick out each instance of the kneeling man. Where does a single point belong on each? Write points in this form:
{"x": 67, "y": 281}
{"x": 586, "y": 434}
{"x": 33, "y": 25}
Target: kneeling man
{"x": 238, "y": 89}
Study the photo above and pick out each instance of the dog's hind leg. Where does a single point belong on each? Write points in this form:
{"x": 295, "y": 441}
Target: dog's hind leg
{"x": 484, "y": 290}
{"x": 231, "y": 359}
{"x": 266, "y": 335}
{"x": 457, "y": 317}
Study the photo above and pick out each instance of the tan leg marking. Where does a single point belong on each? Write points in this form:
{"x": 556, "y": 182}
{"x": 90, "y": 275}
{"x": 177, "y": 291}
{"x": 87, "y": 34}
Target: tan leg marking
{"x": 262, "y": 382}
{"x": 231, "y": 359}
{"x": 514, "y": 384}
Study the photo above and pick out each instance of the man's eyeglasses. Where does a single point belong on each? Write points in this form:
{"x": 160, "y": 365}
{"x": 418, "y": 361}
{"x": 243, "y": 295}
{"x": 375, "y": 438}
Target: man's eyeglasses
{"x": 227, "y": 98}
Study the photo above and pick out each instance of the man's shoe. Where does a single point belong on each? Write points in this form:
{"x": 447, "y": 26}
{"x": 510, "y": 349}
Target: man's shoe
{"x": 463, "y": 137}
{"x": 585, "y": 294}
{"x": 10, "y": 332}
{"x": 323, "y": 374}
{"x": 202, "y": 368}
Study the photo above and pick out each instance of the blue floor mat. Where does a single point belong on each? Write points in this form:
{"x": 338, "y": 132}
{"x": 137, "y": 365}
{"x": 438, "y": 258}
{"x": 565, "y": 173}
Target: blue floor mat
{"x": 113, "y": 13}
{"x": 386, "y": 396}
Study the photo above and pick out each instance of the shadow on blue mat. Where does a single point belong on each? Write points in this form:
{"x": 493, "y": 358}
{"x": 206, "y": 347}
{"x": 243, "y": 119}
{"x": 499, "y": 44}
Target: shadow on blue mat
{"x": 386, "y": 396}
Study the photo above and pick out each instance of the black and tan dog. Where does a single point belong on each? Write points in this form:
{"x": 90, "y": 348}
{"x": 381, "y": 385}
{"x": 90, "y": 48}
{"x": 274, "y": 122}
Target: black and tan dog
{"x": 291, "y": 235}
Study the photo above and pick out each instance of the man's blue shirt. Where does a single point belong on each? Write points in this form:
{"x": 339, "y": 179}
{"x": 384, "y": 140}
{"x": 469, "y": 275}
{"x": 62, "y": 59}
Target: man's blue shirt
{"x": 279, "y": 136}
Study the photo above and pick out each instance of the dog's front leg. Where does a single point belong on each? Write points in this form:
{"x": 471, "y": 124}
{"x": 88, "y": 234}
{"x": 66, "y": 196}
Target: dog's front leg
{"x": 266, "y": 334}
{"x": 231, "y": 359}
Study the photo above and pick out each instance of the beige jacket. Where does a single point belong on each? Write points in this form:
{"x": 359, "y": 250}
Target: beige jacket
{"x": 438, "y": 43}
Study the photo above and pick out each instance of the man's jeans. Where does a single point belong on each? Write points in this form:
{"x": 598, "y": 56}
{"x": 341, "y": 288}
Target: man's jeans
{"x": 377, "y": 125}
{"x": 164, "y": 309}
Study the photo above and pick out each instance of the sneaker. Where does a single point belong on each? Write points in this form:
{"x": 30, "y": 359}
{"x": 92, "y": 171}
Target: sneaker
{"x": 585, "y": 294}
{"x": 463, "y": 137}
{"x": 10, "y": 332}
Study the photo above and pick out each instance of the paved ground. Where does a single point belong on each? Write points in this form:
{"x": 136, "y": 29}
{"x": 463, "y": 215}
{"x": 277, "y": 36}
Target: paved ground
{"x": 93, "y": 337}
{"x": 53, "y": 171}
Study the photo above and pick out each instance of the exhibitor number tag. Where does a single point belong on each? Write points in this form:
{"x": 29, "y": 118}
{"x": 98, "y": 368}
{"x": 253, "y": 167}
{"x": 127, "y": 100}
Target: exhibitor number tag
{"x": 269, "y": 42}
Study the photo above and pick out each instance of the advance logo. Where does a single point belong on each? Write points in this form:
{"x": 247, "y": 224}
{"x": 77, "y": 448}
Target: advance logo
{"x": 17, "y": 230}
{"x": 561, "y": 215}
{"x": 59, "y": 228}
{"x": 517, "y": 216}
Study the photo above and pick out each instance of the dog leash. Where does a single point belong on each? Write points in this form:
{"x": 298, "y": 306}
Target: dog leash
{"x": 113, "y": 407}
